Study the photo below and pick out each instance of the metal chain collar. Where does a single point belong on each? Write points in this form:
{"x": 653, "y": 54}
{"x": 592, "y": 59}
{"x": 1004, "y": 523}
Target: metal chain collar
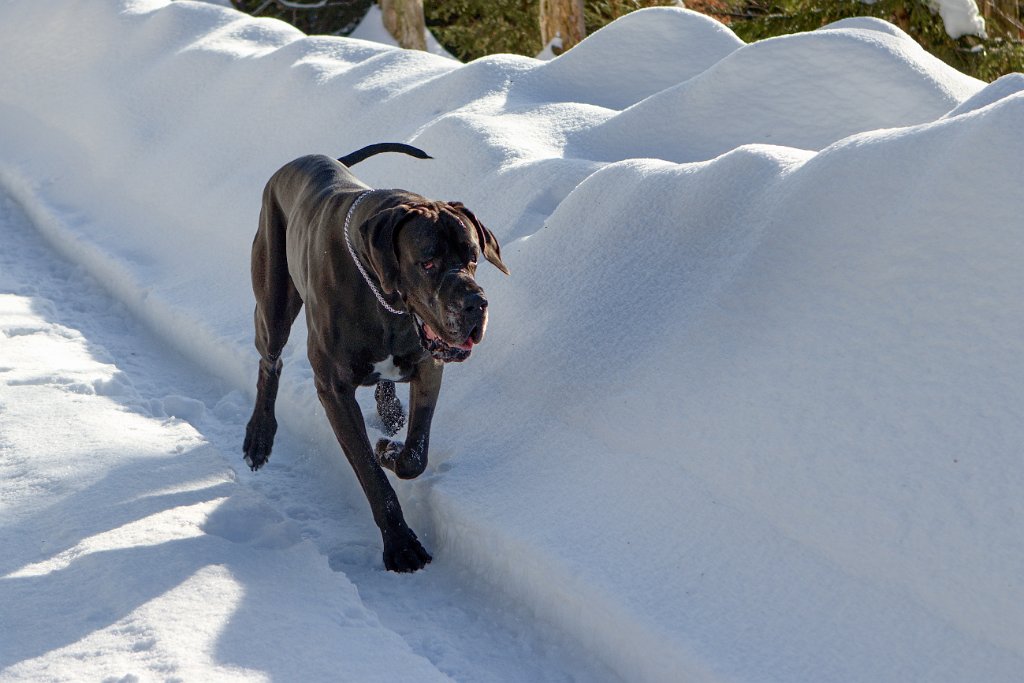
{"x": 359, "y": 265}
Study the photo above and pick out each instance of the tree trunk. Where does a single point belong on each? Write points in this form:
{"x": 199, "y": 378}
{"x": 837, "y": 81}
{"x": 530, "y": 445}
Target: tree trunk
{"x": 404, "y": 21}
{"x": 562, "y": 18}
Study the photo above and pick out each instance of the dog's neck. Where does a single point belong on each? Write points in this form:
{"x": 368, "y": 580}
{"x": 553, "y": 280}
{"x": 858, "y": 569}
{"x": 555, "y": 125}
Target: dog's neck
{"x": 359, "y": 264}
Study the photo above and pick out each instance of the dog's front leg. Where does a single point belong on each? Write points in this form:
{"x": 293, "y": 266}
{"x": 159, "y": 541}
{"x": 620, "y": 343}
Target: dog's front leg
{"x": 259, "y": 433}
{"x": 402, "y": 550}
{"x": 409, "y": 460}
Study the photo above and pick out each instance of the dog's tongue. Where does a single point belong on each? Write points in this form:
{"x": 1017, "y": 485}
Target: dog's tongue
{"x": 431, "y": 335}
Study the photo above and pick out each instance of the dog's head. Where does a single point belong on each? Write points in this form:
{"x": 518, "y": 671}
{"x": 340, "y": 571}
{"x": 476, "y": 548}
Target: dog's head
{"x": 428, "y": 252}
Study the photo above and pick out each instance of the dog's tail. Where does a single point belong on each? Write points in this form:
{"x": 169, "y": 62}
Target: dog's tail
{"x": 370, "y": 150}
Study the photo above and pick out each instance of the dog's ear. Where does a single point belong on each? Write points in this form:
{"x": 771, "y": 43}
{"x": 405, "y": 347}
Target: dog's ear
{"x": 488, "y": 242}
{"x": 382, "y": 251}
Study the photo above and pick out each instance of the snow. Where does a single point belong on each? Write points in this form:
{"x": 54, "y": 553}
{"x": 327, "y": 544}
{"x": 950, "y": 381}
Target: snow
{"x": 750, "y": 405}
{"x": 960, "y": 17}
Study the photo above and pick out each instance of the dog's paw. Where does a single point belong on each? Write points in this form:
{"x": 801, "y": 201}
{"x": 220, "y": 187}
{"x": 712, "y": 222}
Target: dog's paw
{"x": 388, "y": 452}
{"x": 404, "y": 553}
{"x": 406, "y": 462}
{"x": 259, "y": 439}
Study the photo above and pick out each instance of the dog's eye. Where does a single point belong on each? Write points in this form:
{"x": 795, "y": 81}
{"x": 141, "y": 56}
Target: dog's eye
{"x": 428, "y": 265}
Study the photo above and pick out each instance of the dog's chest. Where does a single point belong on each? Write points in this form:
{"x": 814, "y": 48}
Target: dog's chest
{"x": 387, "y": 369}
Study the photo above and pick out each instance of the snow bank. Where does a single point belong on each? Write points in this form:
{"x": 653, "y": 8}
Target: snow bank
{"x": 960, "y": 17}
{"x": 642, "y": 54}
{"x": 752, "y": 416}
{"x": 806, "y": 90}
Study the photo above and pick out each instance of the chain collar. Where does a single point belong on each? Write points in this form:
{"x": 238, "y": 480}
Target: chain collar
{"x": 362, "y": 271}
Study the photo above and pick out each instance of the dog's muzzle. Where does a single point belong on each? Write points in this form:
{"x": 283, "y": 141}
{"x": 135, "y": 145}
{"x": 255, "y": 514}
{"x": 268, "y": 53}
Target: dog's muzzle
{"x": 465, "y": 314}
{"x": 440, "y": 349}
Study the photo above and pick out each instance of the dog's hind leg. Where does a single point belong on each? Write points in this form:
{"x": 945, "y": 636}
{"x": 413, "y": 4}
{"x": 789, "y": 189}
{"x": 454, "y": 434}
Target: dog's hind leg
{"x": 277, "y": 305}
{"x": 389, "y": 407}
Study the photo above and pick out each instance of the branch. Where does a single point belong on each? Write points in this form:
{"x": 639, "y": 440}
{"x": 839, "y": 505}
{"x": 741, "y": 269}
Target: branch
{"x": 291, "y": 4}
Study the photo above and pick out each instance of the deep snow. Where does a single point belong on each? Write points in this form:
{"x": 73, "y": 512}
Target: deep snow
{"x": 750, "y": 407}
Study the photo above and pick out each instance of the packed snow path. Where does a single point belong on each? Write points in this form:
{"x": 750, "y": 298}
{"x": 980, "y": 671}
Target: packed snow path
{"x": 136, "y": 543}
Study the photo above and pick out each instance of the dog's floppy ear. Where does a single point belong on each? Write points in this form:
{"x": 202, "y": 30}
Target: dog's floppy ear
{"x": 381, "y": 252}
{"x": 488, "y": 242}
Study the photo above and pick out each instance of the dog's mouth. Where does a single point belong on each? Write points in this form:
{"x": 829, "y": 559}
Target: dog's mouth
{"x": 442, "y": 350}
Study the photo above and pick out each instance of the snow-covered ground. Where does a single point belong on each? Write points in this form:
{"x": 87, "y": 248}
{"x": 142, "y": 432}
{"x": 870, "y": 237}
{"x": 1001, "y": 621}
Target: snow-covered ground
{"x": 751, "y": 405}
{"x": 132, "y": 547}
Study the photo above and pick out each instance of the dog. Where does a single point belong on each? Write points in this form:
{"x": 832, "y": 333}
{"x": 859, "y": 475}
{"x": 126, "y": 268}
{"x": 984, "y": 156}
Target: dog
{"x": 387, "y": 278}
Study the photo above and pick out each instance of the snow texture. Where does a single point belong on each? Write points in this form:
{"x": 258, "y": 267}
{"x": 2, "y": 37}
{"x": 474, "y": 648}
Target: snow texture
{"x": 751, "y": 404}
{"x": 960, "y": 17}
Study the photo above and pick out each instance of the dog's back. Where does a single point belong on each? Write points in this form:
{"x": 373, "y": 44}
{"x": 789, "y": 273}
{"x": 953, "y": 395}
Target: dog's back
{"x": 308, "y": 180}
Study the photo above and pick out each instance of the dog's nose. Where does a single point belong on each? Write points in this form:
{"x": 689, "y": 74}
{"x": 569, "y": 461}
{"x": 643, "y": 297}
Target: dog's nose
{"x": 474, "y": 302}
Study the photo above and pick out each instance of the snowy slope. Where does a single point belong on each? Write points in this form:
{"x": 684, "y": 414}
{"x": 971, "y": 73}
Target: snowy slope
{"x": 750, "y": 407}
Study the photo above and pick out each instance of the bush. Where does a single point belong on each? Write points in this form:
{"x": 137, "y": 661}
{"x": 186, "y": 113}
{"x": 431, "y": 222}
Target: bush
{"x": 474, "y": 28}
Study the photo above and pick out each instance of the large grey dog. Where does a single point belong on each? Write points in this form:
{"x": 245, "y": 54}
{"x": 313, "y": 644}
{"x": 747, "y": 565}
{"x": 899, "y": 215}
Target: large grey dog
{"x": 387, "y": 279}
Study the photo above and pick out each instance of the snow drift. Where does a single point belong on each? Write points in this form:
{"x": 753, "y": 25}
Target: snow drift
{"x": 751, "y": 403}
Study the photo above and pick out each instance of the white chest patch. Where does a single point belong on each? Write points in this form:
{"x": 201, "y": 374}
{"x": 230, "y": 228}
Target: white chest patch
{"x": 388, "y": 370}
